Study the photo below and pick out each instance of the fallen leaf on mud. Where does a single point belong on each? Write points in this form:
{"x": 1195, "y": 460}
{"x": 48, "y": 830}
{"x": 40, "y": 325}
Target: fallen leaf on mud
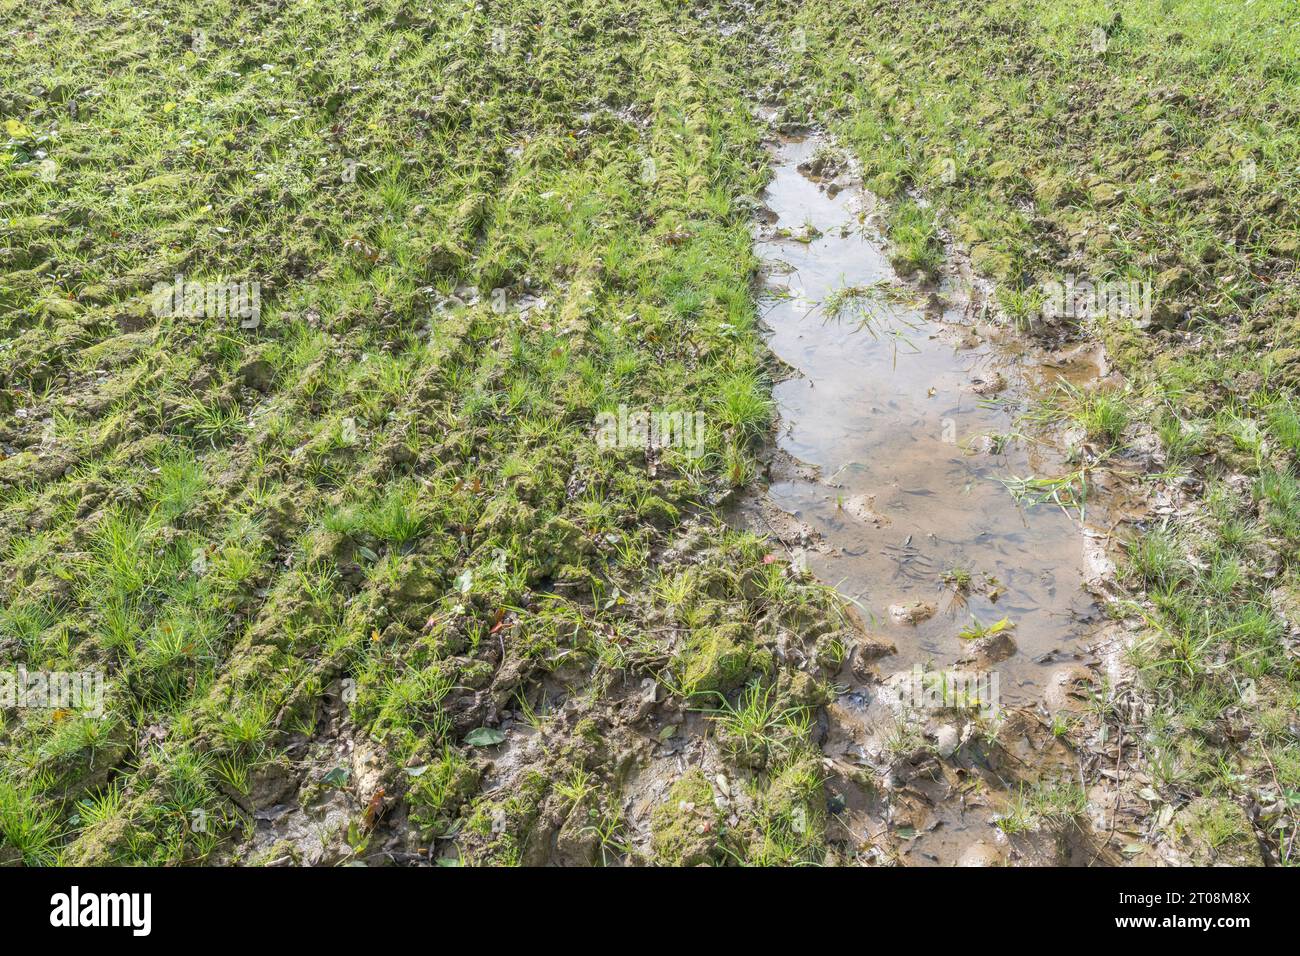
{"x": 373, "y": 808}
{"x": 484, "y": 737}
{"x": 356, "y": 839}
{"x": 338, "y": 777}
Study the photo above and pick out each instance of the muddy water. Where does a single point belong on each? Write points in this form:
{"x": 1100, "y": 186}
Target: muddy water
{"x": 900, "y": 415}
{"x": 904, "y": 419}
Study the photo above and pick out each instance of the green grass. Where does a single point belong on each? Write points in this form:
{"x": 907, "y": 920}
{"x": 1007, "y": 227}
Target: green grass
{"x": 388, "y": 482}
{"x": 1050, "y": 804}
{"x": 1102, "y": 415}
{"x": 914, "y": 239}
{"x": 976, "y": 630}
{"x": 1155, "y": 559}
{"x": 760, "y": 728}
{"x": 1066, "y": 491}
{"x": 30, "y": 828}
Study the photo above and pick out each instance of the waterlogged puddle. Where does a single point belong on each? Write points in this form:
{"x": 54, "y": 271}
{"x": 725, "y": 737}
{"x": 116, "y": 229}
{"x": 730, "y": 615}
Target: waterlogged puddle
{"x": 904, "y": 403}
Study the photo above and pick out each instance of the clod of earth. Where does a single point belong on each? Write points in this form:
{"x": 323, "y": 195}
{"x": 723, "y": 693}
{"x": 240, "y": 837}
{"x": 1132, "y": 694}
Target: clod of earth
{"x": 912, "y": 612}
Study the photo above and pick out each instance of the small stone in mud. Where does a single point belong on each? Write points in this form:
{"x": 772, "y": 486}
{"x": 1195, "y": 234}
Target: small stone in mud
{"x": 982, "y": 854}
{"x": 914, "y": 612}
{"x": 863, "y": 508}
{"x": 867, "y": 651}
{"x": 871, "y": 648}
{"x": 1068, "y": 689}
{"x": 946, "y": 740}
{"x": 990, "y": 385}
{"x": 257, "y": 374}
{"x": 820, "y": 165}
{"x": 838, "y": 185}
{"x": 991, "y": 648}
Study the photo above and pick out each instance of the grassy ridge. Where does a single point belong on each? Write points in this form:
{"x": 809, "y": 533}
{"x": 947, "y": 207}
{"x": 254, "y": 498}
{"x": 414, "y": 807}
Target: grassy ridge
{"x": 1155, "y": 142}
{"x": 387, "y": 493}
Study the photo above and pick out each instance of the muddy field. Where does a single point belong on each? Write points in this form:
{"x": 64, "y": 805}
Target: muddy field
{"x": 639, "y": 433}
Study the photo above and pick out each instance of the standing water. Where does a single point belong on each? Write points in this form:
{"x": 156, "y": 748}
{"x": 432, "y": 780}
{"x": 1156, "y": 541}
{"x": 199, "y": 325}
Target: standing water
{"x": 903, "y": 403}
